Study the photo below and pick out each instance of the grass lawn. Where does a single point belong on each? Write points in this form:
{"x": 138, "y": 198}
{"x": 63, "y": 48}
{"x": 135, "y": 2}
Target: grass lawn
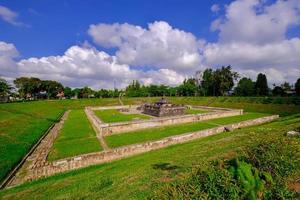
{"x": 138, "y": 176}
{"x": 144, "y": 135}
{"x": 23, "y": 123}
{"x": 195, "y": 111}
{"x": 113, "y": 115}
{"x": 76, "y": 137}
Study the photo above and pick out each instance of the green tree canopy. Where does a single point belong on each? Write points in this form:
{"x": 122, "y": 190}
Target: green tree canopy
{"x": 5, "y": 88}
{"x": 297, "y": 87}
{"x": 28, "y": 87}
{"x": 278, "y": 91}
{"x": 261, "y": 85}
{"x": 245, "y": 87}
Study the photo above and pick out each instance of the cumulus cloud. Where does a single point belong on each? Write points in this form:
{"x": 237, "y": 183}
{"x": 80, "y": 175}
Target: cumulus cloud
{"x": 10, "y": 16}
{"x": 215, "y": 8}
{"x": 80, "y": 66}
{"x": 252, "y": 38}
{"x": 8, "y": 53}
{"x": 158, "y": 46}
{"x": 254, "y": 22}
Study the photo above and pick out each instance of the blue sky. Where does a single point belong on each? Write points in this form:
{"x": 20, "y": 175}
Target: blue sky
{"x": 95, "y": 42}
{"x": 55, "y": 25}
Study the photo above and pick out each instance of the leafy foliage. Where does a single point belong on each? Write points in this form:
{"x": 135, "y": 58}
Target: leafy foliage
{"x": 260, "y": 173}
{"x": 245, "y": 87}
{"x": 297, "y": 87}
{"x": 261, "y": 85}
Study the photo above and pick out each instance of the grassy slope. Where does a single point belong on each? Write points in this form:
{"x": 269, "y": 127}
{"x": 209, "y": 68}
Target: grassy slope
{"x": 161, "y": 132}
{"x": 113, "y": 115}
{"x": 22, "y": 124}
{"x": 136, "y": 177}
{"x": 76, "y": 137}
{"x": 249, "y": 104}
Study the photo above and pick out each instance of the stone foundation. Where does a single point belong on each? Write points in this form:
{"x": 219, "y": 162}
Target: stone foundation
{"x": 63, "y": 165}
{"x": 121, "y": 127}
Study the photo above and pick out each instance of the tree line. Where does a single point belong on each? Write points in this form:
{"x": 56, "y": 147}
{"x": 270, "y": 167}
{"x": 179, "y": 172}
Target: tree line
{"x": 218, "y": 82}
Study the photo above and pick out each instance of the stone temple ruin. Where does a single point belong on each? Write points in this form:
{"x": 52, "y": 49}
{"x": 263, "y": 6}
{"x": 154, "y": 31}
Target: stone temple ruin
{"x": 163, "y": 108}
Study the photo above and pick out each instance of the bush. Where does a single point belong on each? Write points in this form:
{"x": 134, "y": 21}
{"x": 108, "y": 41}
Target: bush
{"x": 260, "y": 173}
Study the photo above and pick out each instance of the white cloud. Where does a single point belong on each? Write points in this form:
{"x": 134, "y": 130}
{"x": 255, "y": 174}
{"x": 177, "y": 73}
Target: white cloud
{"x": 215, "y": 8}
{"x": 7, "y": 54}
{"x": 10, "y": 16}
{"x": 254, "y": 22}
{"x": 159, "y": 46}
{"x": 80, "y": 66}
{"x": 252, "y": 38}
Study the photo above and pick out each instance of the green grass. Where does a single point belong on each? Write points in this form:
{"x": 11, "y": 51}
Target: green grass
{"x": 195, "y": 111}
{"x": 150, "y": 134}
{"x": 138, "y": 176}
{"x": 22, "y": 124}
{"x": 113, "y": 115}
{"x": 288, "y": 106}
{"x": 76, "y": 137}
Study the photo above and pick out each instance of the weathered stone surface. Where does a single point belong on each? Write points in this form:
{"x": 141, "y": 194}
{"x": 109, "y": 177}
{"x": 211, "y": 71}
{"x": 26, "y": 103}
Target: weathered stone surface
{"x": 293, "y": 133}
{"x": 121, "y": 127}
{"x": 163, "y": 108}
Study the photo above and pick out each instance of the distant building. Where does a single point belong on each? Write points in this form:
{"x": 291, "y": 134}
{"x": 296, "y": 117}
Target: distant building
{"x": 60, "y": 95}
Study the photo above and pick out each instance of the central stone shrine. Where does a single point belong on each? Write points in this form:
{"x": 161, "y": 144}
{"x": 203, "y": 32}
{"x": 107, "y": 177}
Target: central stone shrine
{"x": 163, "y": 108}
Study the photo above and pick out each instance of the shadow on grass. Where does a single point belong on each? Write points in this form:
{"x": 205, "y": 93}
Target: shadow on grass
{"x": 165, "y": 166}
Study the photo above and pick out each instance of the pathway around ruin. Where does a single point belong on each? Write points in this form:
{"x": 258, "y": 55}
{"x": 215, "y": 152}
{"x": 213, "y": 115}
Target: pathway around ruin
{"x": 95, "y": 122}
{"x": 38, "y": 157}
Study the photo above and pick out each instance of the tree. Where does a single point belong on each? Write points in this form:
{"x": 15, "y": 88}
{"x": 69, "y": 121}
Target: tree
{"x": 28, "y": 87}
{"x": 133, "y": 89}
{"x": 261, "y": 85}
{"x": 51, "y": 87}
{"x": 68, "y": 92}
{"x": 224, "y": 80}
{"x": 5, "y": 89}
{"x": 297, "y": 87}
{"x": 188, "y": 88}
{"x": 286, "y": 86}
{"x": 278, "y": 91}
{"x": 86, "y": 92}
{"x": 245, "y": 87}
{"x": 207, "y": 84}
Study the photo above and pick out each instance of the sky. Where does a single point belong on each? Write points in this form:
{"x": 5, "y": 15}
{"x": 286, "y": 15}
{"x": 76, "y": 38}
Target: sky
{"x": 103, "y": 44}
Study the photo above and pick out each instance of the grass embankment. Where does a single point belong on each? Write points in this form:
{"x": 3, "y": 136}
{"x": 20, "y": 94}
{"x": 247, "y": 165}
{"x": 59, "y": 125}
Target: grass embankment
{"x": 23, "y": 123}
{"x": 76, "y": 137}
{"x": 273, "y": 105}
{"x": 138, "y": 176}
{"x": 113, "y": 115}
{"x": 151, "y": 134}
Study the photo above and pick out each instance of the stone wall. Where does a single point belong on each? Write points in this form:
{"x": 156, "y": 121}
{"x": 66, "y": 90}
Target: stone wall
{"x": 117, "y": 128}
{"x": 121, "y": 152}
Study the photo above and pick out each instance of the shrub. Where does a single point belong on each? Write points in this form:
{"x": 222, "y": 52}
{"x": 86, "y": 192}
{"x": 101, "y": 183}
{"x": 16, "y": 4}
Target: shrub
{"x": 260, "y": 173}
